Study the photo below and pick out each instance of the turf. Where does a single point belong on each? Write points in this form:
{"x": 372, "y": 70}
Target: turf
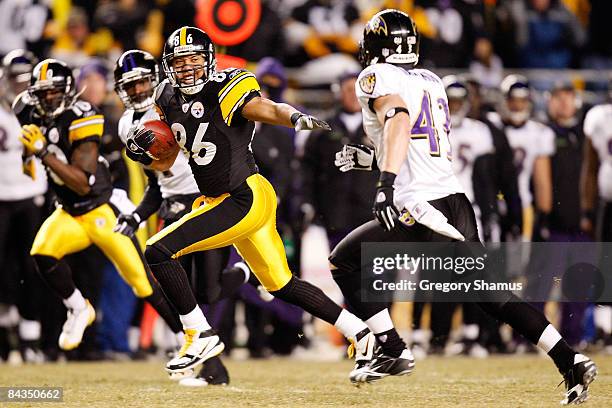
{"x": 437, "y": 382}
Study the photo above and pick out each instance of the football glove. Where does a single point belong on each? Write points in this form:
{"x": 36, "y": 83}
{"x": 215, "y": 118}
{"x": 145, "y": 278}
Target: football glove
{"x": 355, "y": 156}
{"x": 384, "y": 210}
{"x": 301, "y": 121}
{"x": 33, "y": 140}
{"x": 138, "y": 141}
{"x": 127, "y": 224}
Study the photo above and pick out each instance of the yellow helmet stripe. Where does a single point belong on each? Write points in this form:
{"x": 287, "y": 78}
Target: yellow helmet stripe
{"x": 43, "y": 71}
{"x": 183, "y": 36}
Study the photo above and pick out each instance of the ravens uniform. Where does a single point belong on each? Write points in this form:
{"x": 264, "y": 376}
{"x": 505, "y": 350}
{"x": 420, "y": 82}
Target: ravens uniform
{"x": 212, "y": 116}
{"x": 52, "y": 128}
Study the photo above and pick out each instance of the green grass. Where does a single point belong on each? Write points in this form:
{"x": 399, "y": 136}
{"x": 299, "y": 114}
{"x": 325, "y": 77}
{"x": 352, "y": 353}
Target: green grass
{"x": 437, "y": 382}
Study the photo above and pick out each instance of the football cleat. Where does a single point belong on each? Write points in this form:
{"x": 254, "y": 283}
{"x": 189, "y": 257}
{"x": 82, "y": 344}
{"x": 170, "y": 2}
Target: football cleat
{"x": 382, "y": 365}
{"x": 362, "y": 348}
{"x": 578, "y": 379}
{"x": 74, "y": 327}
{"x": 198, "y": 347}
{"x": 213, "y": 372}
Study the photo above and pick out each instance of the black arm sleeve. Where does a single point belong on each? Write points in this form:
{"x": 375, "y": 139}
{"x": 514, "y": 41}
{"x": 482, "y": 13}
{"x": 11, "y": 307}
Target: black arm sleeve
{"x": 507, "y": 178}
{"x": 152, "y": 199}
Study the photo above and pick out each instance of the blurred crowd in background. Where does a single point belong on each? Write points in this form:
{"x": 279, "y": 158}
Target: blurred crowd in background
{"x": 305, "y": 52}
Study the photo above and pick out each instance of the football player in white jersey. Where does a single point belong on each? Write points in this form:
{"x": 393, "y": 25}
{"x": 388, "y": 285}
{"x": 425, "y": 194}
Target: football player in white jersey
{"x": 532, "y": 144}
{"x": 407, "y": 107}
{"x": 21, "y": 201}
{"x": 170, "y": 194}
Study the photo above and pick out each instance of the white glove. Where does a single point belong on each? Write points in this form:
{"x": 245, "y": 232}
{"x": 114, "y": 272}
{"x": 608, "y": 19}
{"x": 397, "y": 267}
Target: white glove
{"x": 301, "y": 121}
{"x": 354, "y": 157}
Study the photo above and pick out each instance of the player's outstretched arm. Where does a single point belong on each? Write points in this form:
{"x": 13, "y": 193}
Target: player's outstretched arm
{"x": 260, "y": 109}
{"x": 81, "y": 171}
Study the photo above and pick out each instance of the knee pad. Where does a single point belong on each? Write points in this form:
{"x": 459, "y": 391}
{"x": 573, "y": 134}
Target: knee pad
{"x": 156, "y": 254}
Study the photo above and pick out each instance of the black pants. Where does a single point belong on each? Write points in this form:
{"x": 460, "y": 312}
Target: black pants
{"x": 19, "y": 283}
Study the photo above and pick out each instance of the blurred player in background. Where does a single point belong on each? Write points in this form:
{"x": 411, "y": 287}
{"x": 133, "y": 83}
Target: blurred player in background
{"x": 63, "y": 132}
{"x": 532, "y": 144}
{"x": 212, "y": 116}
{"x": 418, "y": 196}
{"x": 170, "y": 194}
{"x": 21, "y": 202}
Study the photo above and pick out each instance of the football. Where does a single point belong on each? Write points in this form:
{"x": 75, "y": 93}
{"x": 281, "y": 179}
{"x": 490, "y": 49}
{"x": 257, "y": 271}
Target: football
{"x": 165, "y": 144}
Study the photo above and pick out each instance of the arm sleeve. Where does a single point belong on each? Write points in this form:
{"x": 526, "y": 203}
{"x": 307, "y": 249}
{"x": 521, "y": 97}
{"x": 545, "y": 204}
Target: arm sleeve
{"x": 239, "y": 87}
{"x": 152, "y": 199}
{"x": 86, "y": 129}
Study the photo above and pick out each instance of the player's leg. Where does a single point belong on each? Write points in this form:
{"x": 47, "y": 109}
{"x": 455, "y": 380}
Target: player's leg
{"x": 578, "y": 370}
{"x": 394, "y": 357}
{"x": 126, "y": 256}
{"x": 60, "y": 235}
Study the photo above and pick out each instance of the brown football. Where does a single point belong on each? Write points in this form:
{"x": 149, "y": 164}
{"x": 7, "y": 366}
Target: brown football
{"x": 165, "y": 144}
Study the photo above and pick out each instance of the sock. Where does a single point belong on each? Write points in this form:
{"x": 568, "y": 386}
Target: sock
{"x": 75, "y": 301}
{"x": 175, "y": 283}
{"x": 380, "y": 322}
{"x": 162, "y": 306}
{"x": 311, "y": 299}
{"x": 557, "y": 348}
{"x": 349, "y": 325}
{"x": 56, "y": 273}
{"x": 195, "y": 320}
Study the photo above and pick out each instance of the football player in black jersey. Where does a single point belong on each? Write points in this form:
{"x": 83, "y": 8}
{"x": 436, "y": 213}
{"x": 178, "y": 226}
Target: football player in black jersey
{"x": 64, "y": 133}
{"x": 212, "y": 116}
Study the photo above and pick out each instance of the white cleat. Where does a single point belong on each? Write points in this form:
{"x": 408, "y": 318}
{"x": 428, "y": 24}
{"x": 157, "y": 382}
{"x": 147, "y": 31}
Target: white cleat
{"x": 363, "y": 350}
{"x": 578, "y": 379}
{"x": 198, "y": 347}
{"x": 76, "y": 323}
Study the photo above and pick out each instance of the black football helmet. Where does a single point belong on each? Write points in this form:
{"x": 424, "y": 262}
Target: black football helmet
{"x": 390, "y": 36}
{"x": 517, "y": 103}
{"x": 184, "y": 42}
{"x": 17, "y": 68}
{"x": 132, "y": 67}
{"x": 458, "y": 102}
{"x": 52, "y": 87}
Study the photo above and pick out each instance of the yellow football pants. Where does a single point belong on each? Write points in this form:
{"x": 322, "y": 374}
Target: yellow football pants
{"x": 62, "y": 234}
{"x": 247, "y": 220}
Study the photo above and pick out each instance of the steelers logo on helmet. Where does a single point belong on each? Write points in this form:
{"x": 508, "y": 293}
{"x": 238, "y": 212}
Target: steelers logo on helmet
{"x": 228, "y": 22}
{"x": 189, "y": 59}
{"x": 390, "y": 37}
{"x": 51, "y": 87}
{"x": 136, "y": 76}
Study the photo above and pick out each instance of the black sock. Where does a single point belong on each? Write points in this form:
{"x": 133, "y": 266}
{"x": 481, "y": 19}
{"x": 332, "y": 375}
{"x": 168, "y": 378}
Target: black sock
{"x": 528, "y": 321}
{"x": 175, "y": 284}
{"x": 56, "y": 273}
{"x": 391, "y": 343}
{"x": 350, "y": 284}
{"x": 563, "y": 356}
{"x": 162, "y": 306}
{"x": 310, "y": 298}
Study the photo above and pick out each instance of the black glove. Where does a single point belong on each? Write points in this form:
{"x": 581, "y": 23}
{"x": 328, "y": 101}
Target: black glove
{"x": 127, "y": 224}
{"x": 384, "y": 210}
{"x": 138, "y": 144}
{"x": 301, "y": 121}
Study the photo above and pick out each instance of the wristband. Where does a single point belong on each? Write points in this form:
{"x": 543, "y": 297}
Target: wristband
{"x": 295, "y": 117}
{"x": 386, "y": 179}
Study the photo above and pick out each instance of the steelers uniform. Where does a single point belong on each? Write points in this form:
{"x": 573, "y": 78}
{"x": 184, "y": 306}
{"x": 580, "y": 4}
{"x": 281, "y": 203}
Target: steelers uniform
{"x": 238, "y": 205}
{"x": 82, "y": 220}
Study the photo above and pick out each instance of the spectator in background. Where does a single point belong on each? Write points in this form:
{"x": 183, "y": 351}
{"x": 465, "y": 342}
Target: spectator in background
{"x": 486, "y": 65}
{"x": 546, "y": 32}
{"x": 563, "y": 224}
{"x": 77, "y": 43}
{"x": 339, "y": 201}
{"x": 126, "y": 19}
{"x": 22, "y": 22}
{"x": 319, "y": 28}
{"x": 268, "y": 40}
{"x": 599, "y": 46}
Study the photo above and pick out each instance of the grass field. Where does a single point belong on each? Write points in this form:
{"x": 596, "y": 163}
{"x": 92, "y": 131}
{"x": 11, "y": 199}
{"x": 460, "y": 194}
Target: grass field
{"x": 437, "y": 382}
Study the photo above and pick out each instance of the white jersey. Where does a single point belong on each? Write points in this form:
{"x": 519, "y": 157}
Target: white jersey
{"x": 14, "y": 185}
{"x": 427, "y": 172}
{"x": 597, "y": 128}
{"x": 528, "y": 142}
{"x": 176, "y": 181}
{"x": 470, "y": 140}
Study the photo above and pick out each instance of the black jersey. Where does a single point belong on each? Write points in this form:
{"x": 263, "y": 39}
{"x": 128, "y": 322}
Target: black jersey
{"x": 78, "y": 124}
{"x": 210, "y": 130}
